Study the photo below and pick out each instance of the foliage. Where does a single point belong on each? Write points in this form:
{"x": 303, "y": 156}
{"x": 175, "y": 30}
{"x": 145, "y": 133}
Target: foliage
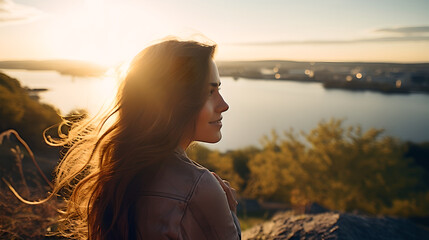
{"x": 26, "y": 115}
{"x": 340, "y": 168}
{"x": 19, "y": 220}
{"x": 22, "y": 221}
{"x": 30, "y": 118}
{"x": 222, "y": 164}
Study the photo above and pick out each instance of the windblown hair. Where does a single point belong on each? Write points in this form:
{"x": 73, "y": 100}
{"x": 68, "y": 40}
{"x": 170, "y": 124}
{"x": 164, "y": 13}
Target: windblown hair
{"x": 157, "y": 103}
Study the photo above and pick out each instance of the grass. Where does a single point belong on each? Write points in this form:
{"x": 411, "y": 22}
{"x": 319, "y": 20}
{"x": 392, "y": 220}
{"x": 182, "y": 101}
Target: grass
{"x": 250, "y": 220}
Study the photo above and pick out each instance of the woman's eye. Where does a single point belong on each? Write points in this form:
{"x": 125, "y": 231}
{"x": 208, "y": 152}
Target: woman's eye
{"x": 213, "y": 90}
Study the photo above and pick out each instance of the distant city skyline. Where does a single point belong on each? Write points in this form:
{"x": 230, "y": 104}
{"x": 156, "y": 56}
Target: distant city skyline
{"x": 108, "y": 32}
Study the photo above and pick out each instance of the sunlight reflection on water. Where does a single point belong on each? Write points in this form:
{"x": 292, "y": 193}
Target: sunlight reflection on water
{"x": 68, "y": 93}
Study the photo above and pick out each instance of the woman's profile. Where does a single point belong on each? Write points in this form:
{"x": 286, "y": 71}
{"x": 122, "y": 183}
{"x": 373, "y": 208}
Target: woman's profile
{"x": 129, "y": 176}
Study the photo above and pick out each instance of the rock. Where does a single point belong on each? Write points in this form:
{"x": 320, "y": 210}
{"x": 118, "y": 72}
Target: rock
{"x": 315, "y": 208}
{"x": 335, "y": 226}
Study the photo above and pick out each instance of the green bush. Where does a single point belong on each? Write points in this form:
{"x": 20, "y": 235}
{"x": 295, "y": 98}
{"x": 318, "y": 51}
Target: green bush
{"x": 340, "y": 168}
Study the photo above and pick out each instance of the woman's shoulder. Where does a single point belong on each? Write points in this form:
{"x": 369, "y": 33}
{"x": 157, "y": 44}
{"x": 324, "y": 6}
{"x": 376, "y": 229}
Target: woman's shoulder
{"x": 203, "y": 179}
{"x": 208, "y": 207}
{"x": 178, "y": 177}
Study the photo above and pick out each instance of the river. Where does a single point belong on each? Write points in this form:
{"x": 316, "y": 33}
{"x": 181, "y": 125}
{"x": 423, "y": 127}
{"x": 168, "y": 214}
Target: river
{"x": 259, "y": 106}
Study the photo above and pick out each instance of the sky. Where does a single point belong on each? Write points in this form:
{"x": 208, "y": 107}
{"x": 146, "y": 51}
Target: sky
{"x": 108, "y": 32}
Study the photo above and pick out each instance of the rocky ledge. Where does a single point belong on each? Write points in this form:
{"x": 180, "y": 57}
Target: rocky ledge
{"x": 335, "y": 226}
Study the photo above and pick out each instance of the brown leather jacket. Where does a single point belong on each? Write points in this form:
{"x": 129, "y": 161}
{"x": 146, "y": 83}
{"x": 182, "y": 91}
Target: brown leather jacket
{"x": 184, "y": 201}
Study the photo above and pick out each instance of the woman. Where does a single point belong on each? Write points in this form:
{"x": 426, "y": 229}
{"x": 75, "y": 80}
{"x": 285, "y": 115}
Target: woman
{"x": 131, "y": 179}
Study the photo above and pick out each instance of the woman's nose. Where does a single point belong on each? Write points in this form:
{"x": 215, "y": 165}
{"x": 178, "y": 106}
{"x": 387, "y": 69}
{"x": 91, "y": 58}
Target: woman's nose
{"x": 222, "y": 105}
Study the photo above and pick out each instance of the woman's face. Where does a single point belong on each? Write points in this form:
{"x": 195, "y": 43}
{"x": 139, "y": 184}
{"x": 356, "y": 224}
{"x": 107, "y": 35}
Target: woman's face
{"x": 209, "y": 120}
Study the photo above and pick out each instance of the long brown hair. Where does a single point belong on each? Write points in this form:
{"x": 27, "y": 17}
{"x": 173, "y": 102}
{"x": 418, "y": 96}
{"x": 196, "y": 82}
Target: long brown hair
{"x": 156, "y": 105}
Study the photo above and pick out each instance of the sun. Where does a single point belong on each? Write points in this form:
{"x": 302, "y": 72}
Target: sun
{"x": 105, "y": 32}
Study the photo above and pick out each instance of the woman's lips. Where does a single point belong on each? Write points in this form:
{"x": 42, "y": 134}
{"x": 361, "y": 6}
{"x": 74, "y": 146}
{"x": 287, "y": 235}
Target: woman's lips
{"x": 217, "y": 122}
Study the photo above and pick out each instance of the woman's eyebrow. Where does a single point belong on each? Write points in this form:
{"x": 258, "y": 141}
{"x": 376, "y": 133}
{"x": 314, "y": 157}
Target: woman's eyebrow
{"x": 215, "y": 84}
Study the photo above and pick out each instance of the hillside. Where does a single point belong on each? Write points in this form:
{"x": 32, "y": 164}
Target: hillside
{"x": 65, "y": 67}
{"x": 27, "y": 116}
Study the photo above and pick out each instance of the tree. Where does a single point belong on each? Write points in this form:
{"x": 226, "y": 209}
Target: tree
{"x": 342, "y": 169}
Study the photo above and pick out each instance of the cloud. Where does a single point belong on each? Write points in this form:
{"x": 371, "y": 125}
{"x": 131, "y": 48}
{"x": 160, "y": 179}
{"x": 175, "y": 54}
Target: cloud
{"x": 326, "y": 42}
{"x": 408, "y": 34}
{"x": 405, "y": 30}
{"x": 11, "y": 12}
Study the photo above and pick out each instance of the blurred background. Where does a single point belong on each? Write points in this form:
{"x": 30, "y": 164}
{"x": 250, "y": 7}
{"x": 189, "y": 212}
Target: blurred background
{"x": 328, "y": 99}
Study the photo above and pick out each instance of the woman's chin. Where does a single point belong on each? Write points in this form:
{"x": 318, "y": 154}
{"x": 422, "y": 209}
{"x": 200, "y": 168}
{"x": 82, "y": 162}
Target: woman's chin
{"x": 213, "y": 139}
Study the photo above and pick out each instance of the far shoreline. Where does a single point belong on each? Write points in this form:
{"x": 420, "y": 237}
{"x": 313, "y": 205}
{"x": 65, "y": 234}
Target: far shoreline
{"x": 383, "y": 77}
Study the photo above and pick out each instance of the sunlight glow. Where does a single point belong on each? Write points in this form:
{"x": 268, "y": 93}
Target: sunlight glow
{"x": 398, "y": 83}
{"x": 309, "y": 73}
{"x": 275, "y": 69}
{"x": 103, "y": 92}
{"x": 349, "y": 78}
{"x": 359, "y": 75}
{"x": 106, "y": 32}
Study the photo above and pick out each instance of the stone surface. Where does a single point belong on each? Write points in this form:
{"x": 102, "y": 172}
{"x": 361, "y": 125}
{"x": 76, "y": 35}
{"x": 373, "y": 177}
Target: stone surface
{"x": 335, "y": 226}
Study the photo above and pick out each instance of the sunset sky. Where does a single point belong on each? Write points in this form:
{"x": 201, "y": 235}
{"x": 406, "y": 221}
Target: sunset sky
{"x": 107, "y": 31}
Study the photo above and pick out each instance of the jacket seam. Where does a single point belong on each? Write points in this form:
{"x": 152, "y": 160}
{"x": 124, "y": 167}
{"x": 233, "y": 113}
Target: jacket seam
{"x": 164, "y": 195}
{"x": 191, "y": 193}
{"x": 189, "y": 197}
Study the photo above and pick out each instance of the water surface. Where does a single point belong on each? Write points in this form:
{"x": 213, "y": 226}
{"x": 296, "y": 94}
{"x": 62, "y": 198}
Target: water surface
{"x": 258, "y": 106}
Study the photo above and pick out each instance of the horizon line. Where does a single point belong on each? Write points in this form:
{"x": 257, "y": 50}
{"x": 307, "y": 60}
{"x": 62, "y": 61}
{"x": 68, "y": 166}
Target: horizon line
{"x": 228, "y": 60}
